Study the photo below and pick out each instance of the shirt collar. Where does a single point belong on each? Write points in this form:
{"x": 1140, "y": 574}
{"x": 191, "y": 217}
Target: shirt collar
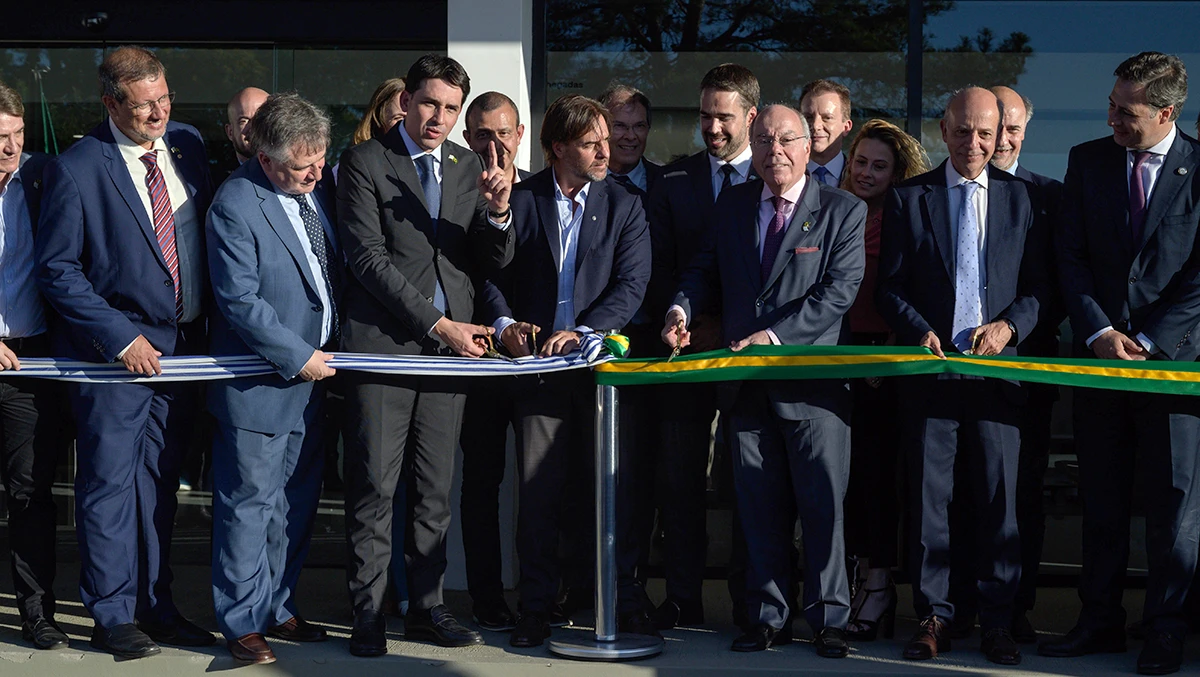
{"x": 1161, "y": 147}
{"x": 638, "y": 172}
{"x": 834, "y": 167}
{"x": 580, "y": 197}
{"x": 741, "y": 163}
{"x": 792, "y": 195}
{"x": 15, "y": 176}
{"x": 954, "y": 179}
{"x": 1013, "y": 169}
{"x": 415, "y": 151}
{"x": 131, "y": 150}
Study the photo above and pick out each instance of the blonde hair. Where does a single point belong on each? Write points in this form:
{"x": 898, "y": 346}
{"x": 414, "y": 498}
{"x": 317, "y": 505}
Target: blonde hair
{"x": 910, "y": 158}
{"x": 372, "y": 124}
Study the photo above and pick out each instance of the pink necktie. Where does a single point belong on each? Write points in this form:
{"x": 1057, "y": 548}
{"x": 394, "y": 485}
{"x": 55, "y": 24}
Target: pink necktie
{"x": 773, "y": 239}
{"x": 1137, "y": 197}
{"x": 164, "y": 223}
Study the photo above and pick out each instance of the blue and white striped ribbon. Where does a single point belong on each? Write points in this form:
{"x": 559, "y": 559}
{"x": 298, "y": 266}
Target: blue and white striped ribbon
{"x": 217, "y": 368}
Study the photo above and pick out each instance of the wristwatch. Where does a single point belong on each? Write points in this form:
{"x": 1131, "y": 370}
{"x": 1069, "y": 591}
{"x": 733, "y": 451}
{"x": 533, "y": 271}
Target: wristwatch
{"x": 1011, "y": 327}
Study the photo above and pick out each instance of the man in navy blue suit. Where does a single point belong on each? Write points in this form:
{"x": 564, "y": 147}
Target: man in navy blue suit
{"x": 276, "y": 270}
{"x": 120, "y": 252}
{"x": 963, "y": 268}
{"x": 580, "y": 264}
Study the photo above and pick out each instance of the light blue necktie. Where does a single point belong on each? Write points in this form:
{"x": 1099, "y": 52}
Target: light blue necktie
{"x": 433, "y": 198}
{"x": 968, "y": 306}
{"x": 824, "y": 176}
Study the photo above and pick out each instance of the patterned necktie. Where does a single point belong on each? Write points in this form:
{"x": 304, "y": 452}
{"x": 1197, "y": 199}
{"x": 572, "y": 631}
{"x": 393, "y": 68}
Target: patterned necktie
{"x": 968, "y": 307}
{"x": 824, "y": 176}
{"x": 1137, "y": 197}
{"x": 320, "y": 249}
{"x": 727, "y": 177}
{"x": 431, "y": 187}
{"x": 773, "y": 239}
{"x": 164, "y": 223}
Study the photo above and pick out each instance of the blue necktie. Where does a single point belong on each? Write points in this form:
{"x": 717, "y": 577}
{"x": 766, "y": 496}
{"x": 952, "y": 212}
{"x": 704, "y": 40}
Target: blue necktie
{"x": 433, "y": 198}
{"x": 318, "y": 242}
{"x": 968, "y": 307}
{"x": 824, "y": 176}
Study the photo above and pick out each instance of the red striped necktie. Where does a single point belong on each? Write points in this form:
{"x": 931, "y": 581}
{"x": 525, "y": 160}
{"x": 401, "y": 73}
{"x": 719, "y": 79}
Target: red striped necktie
{"x": 164, "y": 223}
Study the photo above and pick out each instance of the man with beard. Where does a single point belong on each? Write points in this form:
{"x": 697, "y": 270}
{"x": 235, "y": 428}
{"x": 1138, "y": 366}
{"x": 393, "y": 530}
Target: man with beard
{"x": 240, "y": 113}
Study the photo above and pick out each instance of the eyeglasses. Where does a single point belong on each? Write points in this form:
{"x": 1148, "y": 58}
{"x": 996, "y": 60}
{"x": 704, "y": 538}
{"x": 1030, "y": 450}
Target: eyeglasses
{"x": 143, "y": 109}
{"x": 639, "y": 128}
{"x": 766, "y": 142}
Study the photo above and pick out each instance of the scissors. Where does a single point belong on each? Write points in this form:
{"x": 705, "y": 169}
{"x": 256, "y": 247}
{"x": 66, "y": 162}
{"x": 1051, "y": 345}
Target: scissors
{"x": 533, "y": 341}
{"x": 678, "y": 340}
{"x": 491, "y": 348}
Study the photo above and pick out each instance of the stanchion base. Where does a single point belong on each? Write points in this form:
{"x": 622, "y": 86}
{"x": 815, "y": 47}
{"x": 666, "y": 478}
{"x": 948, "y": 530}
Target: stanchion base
{"x": 624, "y": 648}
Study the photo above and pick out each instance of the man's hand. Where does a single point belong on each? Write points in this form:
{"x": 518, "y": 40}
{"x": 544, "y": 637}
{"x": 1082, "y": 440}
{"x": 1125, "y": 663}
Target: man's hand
{"x": 560, "y": 343}
{"x": 705, "y": 333}
{"x": 516, "y": 337}
{"x": 931, "y": 341}
{"x": 460, "y": 336}
{"x": 142, "y": 358}
{"x": 990, "y": 339}
{"x": 8, "y": 359}
{"x": 758, "y": 338}
{"x": 316, "y": 369}
{"x": 672, "y": 334}
{"x": 493, "y": 183}
{"x": 1113, "y": 345}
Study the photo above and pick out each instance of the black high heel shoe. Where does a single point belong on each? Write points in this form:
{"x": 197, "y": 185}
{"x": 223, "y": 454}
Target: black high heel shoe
{"x": 868, "y": 629}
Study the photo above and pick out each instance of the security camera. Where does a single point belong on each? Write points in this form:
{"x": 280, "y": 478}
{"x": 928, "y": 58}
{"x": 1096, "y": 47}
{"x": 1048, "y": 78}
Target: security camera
{"x": 96, "y": 22}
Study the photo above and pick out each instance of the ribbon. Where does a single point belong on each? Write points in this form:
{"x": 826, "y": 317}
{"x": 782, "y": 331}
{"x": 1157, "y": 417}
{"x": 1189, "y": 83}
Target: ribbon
{"x": 816, "y": 362}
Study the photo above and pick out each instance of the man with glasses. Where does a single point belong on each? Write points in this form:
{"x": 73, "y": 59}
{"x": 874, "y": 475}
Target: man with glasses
{"x": 790, "y": 440}
{"x": 120, "y": 254}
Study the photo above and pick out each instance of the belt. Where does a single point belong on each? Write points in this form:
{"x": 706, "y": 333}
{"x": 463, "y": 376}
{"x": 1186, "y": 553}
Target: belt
{"x": 29, "y": 346}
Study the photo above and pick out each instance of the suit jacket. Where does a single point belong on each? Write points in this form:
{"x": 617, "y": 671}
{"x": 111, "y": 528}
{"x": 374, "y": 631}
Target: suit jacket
{"x": 916, "y": 266}
{"x": 654, "y": 173}
{"x": 99, "y": 263}
{"x": 680, "y": 213}
{"x": 395, "y": 251}
{"x": 33, "y": 167}
{"x": 1043, "y": 342}
{"x": 1151, "y": 286}
{"x": 612, "y": 259}
{"x": 804, "y": 300}
{"x": 267, "y": 298}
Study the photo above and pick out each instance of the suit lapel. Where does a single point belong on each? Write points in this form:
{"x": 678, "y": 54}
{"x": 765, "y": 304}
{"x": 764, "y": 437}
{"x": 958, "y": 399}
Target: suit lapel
{"x": 547, "y": 211}
{"x": 701, "y": 174}
{"x": 804, "y": 221}
{"x": 595, "y": 215}
{"x": 936, "y": 203}
{"x": 1001, "y": 236}
{"x": 454, "y": 176}
{"x": 280, "y": 223}
{"x": 118, "y": 172}
{"x": 747, "y": 239}
{"x": 402, "y": 164}
{"x": 190, "y": 181}
{"x": 1167, "y": 186}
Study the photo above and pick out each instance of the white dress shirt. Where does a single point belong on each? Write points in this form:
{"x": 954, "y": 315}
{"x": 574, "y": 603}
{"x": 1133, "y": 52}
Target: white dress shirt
{"x": 21, "y": 311}
{"x": 292, "y": 209}
{"x": 741, "y": 167}
{"x": 835, "y": 167}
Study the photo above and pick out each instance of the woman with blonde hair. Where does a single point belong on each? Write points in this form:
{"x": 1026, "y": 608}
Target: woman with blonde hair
{"x": 382, "y": 113}
{"x": 880, "y": 156}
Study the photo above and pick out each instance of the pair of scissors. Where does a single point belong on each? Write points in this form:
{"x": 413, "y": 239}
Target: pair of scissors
{"x": 678, "y": 340}
{"x": 491, "y": 348}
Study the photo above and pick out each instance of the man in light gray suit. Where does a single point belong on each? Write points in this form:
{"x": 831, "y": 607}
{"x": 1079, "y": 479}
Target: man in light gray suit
{"x": 272, "y": 253}
{"x": 785, "y": 265}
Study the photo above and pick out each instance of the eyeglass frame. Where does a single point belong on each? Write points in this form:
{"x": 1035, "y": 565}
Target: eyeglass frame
{"x": 143, "y": 109}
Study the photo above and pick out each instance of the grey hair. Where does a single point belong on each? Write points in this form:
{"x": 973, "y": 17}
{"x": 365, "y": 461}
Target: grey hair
{"x": 1163, "y": 75}
{"x": 807, "y": 131}
{"x": 285, "y": 122}
{"x": 1028, "y": 108}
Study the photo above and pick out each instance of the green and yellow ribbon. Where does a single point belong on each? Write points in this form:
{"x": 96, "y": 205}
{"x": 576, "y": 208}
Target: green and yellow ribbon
{"x": 817, "y": 362}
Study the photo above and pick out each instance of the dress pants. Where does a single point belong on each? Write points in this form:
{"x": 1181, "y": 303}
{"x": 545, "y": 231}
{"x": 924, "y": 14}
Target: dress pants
{"x": 977, "y": 421}
{"x": 33, "y": 438}
{"x": 872, "y": 496}
{"x": 392, "y": 423}
{"x": 1031, "y": 478}
{"x": 488, "y": 413}
{"x": 783, "y": 469}
{"x": 266, "y": 489}
{"x": 1161, "y": 435}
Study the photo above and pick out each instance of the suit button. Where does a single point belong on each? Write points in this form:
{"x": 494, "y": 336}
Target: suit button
{"x": 429, "y": 299}
{"x": 166, "y": 283}
{"x": 758, "y": 303}
{"x": 1132, "y": 280}
{"x": 439, "y": 257}
{"x": 317, "y": 309}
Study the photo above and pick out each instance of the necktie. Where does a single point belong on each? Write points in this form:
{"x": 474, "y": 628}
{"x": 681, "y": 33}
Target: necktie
{"x": 824, "y": 176}
{"x": 431, "y": 187}
{"x": 320, "y": 249}
{"x": 773, "y": 239}
{"x": 727, "y": 177}
{"x": 968, "y": 307}
{"x": 164, "y": 223}
{"x": 1137, "y": 197}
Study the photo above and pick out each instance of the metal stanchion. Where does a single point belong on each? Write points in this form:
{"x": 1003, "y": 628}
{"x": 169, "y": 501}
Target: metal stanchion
{"x": 607, "y": 645}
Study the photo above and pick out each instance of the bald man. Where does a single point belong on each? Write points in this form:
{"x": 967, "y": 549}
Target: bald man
{"x": 962, "y": 269}
{"x": 240, "y": 112}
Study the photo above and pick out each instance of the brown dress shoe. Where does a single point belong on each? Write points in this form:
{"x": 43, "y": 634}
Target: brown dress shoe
{"x": 296, "y": 629}
{"x": 931, "y": 639}
{"x": 252, "y": 648}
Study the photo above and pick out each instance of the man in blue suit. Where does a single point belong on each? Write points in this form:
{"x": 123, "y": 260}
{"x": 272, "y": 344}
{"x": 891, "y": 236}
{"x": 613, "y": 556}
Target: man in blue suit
{"x": 963, "y": 268}
{"x": 783, "y": 264}
{"x": 1130, "y": 271}
{"x": 120, "y": 255}
{"x": 276, "y": 271}
{"x": 580, "y": 264}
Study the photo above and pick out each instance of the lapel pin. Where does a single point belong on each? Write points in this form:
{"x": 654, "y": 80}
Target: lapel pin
{"x": 806, "y": 226}
{"x": 1182, "y": 171}
{"x": 37, "y": 184}
{"x": 452, "y": 159}
{"x": 176, "y": 153}
{"x": 593, "y": 218}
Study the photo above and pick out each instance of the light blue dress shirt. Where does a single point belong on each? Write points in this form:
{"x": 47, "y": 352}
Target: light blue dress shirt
{"x": 314, "y": 266}
{"x": 21, "y": 312}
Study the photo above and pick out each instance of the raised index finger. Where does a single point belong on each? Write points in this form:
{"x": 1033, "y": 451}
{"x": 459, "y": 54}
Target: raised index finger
{"x": 493, "y": 161}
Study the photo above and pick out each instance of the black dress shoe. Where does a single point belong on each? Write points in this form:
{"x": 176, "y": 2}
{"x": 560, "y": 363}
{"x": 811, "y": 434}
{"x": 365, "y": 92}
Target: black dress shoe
{"x": 296, "y": 629}
{"x": 1022, "y": 629}
{"x": 439, "y": 626}
{"x": 178, "y": 631}
{"x": 1081, "y": 642}
{"x": 1162, "y": 653}
{"x": 760, "y": 637}
{"x": 123, "y": 641}
{"x": 369, "y": 636}
{"x": 494, "y": 615}
{"x": 637, "y": 623}
{"x": 930, "y": 640}
{"x": 44, "y": 633}
{"x": 999, "y": 647}
{"x": 531, "y": 631}
{"x": 831, "y": 643}
{"x": 674, "y": 612}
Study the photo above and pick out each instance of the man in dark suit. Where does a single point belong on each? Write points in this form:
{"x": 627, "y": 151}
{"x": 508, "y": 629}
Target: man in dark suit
{"x": 580, "y": 264}
{"x": 31, "y": 430}
{"x": 276, "y": 271}
{"x": 120, "y": 251}
{"x": 1129, "y": 267}
{"x": 492, "y": 122}
{"x": 680, "y": 217}
{"x": 826, "y": 106}
{"x": 631, "y": 114}
{"x": 962, "y": 268}
{"x": 419, "y": 216}
{"x": 784, "y": 264}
